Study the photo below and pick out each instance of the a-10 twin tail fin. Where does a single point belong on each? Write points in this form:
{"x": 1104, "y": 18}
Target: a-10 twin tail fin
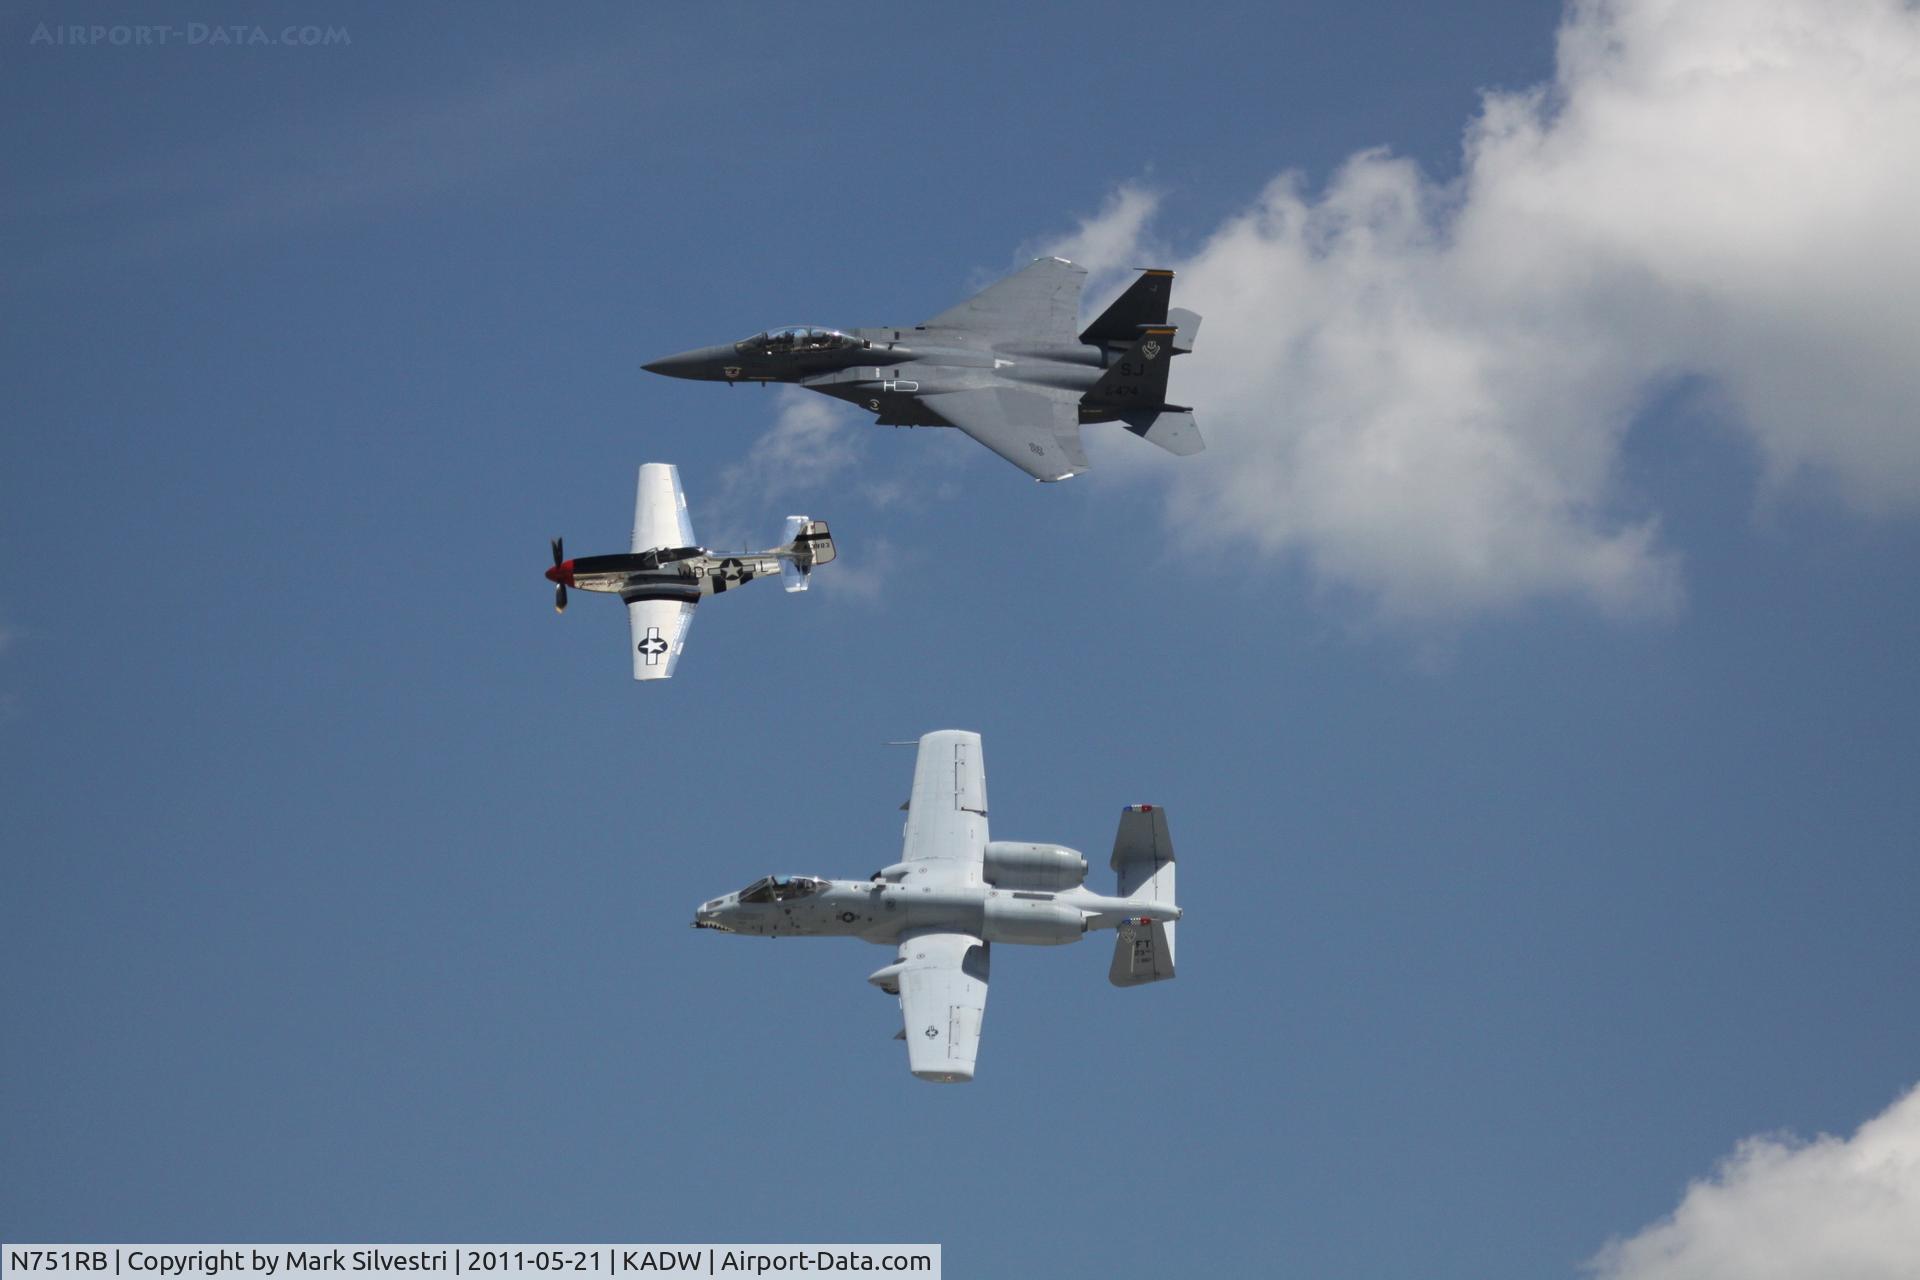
{"x": 807, "y": 544}
{"x": 1143, "y": 859}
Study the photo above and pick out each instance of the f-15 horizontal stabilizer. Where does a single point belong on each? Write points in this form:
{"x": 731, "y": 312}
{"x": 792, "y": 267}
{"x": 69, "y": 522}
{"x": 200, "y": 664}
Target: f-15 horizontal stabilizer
{"x": 1186, "y": 326}
{"x": 1144, "y": 303}
{"x": 1172, "y": 429}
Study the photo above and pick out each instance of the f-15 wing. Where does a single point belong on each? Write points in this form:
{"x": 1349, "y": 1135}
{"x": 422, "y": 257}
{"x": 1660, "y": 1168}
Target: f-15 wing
{"x": 943, "y": 997}
{"x": 1036, "y": 431}
{"x": 1038, "y": 304}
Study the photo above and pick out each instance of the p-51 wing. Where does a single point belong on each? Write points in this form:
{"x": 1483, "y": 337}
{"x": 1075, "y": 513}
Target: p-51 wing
{"x": 657, "y": 624}
{"x": 1037, "y": 432}
{"x": 657, "y": 630}
{"x": 660, "y": 509}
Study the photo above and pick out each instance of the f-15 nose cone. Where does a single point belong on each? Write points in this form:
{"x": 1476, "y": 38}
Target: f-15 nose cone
{"x": 679, "y": 366}
{"x": 701, "y": 362}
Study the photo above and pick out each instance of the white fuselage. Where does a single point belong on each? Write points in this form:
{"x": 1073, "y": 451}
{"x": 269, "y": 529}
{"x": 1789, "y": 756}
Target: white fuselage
{"x": 882, "y": 911}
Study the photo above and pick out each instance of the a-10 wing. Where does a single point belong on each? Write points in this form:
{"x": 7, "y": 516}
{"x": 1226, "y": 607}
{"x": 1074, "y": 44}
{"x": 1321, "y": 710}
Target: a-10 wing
{"x": 943, "y": 997}
{"x": 943, "y": 976}
{"x": 946, "y": 835}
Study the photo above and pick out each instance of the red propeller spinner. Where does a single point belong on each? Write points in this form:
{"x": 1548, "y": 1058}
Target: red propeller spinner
{"x": 560, "y": 575}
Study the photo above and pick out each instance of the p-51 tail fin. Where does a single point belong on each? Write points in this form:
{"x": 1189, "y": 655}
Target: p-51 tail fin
{"x": 1143, "y": 859}
{"x": 807, "y": 544}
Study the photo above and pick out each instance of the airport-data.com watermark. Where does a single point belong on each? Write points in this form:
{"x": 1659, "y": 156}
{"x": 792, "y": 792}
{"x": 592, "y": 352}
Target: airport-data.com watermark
{"x": 187, "y": 35}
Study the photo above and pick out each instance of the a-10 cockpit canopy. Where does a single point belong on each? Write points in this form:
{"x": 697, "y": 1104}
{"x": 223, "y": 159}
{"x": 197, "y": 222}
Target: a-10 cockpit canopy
{"x": 781, "y": 889}
{"x": 796, "y": 337}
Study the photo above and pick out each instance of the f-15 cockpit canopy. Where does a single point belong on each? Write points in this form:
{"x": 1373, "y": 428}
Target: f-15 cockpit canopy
{"x": 796, "y": 337}
{"x": 781, "y": 889}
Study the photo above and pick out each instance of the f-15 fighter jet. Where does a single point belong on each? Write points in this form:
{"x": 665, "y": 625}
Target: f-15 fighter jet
{"x": 954, "y": 893}
{"x": 1005, "y": 367}
{"x": 665, "y": 574}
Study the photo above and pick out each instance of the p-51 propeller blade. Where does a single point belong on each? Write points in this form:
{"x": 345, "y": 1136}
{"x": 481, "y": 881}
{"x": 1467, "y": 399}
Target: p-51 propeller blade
{"x": 559, "y": 587}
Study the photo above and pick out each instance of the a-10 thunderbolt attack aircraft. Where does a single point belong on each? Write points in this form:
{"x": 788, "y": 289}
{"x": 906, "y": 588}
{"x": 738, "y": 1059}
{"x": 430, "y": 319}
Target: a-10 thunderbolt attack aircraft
{"x": 1005, "y": 367}
{"x": 954, "y": 893}
{"x": 665, "y": 574}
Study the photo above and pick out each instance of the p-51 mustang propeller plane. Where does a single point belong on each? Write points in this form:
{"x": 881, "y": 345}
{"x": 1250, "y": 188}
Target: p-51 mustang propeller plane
{"x": 665, "y": 574}
{"x": 1005, "y": 367}
{"x": 954, "y": 893}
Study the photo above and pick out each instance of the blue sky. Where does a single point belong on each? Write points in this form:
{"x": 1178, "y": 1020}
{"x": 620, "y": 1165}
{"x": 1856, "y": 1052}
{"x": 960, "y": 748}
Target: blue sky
{"x": 1526, "y": 873}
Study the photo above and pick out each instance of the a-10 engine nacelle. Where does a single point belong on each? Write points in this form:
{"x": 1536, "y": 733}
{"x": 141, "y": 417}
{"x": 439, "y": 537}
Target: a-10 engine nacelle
{"x": 1032, "y": 918}
{"x": 1012, "y": 864}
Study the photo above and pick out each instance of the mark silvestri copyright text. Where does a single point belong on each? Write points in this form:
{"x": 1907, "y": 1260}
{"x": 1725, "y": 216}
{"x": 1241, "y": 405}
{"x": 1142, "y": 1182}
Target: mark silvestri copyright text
{"x": 207, "y": 1262}
{"x": 193, "y": 35}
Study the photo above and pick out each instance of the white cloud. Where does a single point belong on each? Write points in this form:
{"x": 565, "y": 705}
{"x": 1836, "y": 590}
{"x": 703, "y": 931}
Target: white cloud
{"x": 1777, "y": 1209}
{"x": 1112, "y": 240}
{"x": 808, "y": 454}
{"x": 1422, "y": 388}
{"x": 811, "y": 442}
{"x": 861, "y": 574}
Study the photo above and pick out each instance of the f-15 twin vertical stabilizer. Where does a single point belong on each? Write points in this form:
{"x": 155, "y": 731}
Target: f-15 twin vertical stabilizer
{"x": 1138, "y": 378}
{"x": 1143, "y": 303}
